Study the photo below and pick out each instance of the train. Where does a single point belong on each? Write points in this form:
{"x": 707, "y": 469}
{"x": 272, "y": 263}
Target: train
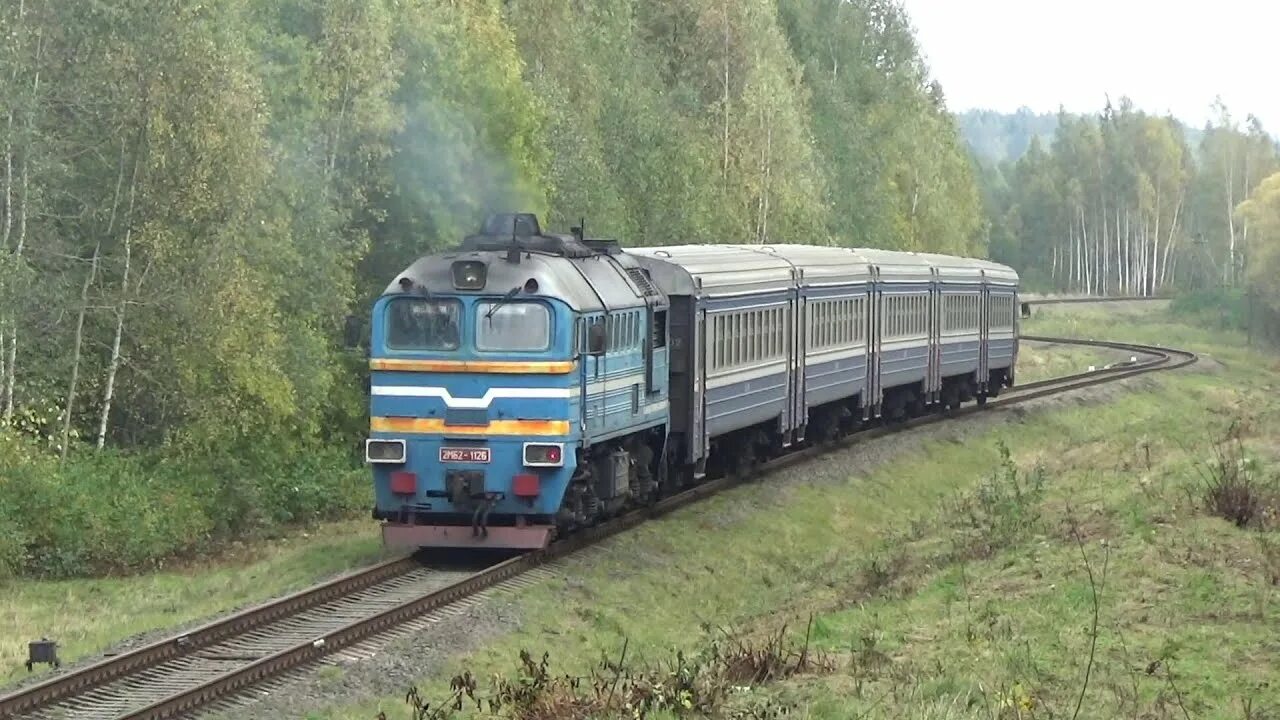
{"x": 527, "y": 384}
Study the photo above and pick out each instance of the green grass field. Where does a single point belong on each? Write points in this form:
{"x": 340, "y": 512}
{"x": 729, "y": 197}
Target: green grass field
{"x": 85, "y": 616}
{"x": 952, "y": 581}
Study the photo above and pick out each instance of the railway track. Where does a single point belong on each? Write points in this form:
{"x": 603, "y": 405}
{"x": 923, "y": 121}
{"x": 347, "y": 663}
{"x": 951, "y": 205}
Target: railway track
{"x": 193, "y": 670}
{"x": 1028, "y": 302}
{"x": 1034, "y": 300}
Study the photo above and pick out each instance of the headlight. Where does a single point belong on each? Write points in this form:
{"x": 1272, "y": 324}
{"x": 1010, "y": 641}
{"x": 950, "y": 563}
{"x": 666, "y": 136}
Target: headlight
{"x": 468, "y": 274}
{"x": 544, "y": 455}
{"x": 384, "y": 451}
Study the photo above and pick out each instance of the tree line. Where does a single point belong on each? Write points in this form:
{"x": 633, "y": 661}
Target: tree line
{"x": 995, "y": 137}
{"x": 1123, "y": 203}
{"x": 194, "y": 195}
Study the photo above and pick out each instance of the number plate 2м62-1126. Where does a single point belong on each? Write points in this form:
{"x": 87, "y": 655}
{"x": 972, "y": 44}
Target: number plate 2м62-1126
{"x": 464, "y": 455}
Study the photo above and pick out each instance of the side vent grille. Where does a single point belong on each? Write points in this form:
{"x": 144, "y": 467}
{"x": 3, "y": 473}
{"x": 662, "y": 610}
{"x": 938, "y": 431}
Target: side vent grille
{"x": 642, "y": 281}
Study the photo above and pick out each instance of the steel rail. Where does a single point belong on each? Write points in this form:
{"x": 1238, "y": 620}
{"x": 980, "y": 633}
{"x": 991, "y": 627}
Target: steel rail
{"x": 1160, "y": 355}
{"x": 140, "y": 659}
{"x": 190, "y": 699}
{"x": 1094, "y": 299}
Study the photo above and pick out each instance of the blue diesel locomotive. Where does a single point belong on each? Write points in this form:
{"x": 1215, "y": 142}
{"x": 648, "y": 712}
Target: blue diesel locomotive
{"x": 528, "y": 384}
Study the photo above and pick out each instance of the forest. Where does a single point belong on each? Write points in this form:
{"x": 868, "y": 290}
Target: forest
{"x": 194, "y": 196}
{"x": 1129, "y": 203}
{"x": 996, "y": 138}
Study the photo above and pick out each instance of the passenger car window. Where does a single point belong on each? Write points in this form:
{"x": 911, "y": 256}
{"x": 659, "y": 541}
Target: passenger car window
{"x": 422, "y": 324}
{"x": 513, "y": 326}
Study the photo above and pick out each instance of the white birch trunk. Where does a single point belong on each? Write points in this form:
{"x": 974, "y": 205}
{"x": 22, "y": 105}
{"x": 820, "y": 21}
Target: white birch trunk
{"x": 10, "y": 379}
{"x": 1154, "y": 257}
{"x": 1169, "y": 242}
{"x": 113, "y": 366}
{"x": 11, "y": 364}
{"x": 1228, "y": 272}
{"x": 75, "y": 354}
{"x": 1126, "y": 263}
{"x": 6, "y": 410}
{"x": 1088, "y": 260}
{"x": 1075, "y": 258}
{"x": 768, "y": 173}
{"x": 724, "y": 166}
{"x": 8, "y": 184}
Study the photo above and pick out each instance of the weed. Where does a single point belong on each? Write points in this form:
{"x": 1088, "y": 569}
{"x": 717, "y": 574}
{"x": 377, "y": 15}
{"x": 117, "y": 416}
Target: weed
{"x": 330, "y": 673}
{"x": 879, "y": 571}
{"x": 1230, "y": 485}
{"x": 699, "y": 684}
{"x": 865, "y": 656}
{"x": 1095, "y": 587}
{"x": 1269, "y": 548}
{"x": 1003, "y": 509}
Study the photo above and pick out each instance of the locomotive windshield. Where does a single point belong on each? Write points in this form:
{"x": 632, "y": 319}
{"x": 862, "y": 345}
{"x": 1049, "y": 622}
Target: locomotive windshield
{"x": 512, "y": 326}
{"x": 422, "y": 324}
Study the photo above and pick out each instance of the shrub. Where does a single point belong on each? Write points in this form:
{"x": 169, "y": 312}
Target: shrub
{"x": 698, "y": 684}
{"x": 1232, "y": 487}
{"x": 111, "y": 511}
{"x": 1231, "y": 309}
{"x": 13, "y": 541}
{"x": 1215, "y": 307}
{"x": 1004, "y": 508}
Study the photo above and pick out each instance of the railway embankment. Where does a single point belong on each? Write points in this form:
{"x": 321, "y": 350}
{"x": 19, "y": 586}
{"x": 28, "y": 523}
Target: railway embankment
{"x": 96, "y": 615}
{"x": 1115, "y": 548}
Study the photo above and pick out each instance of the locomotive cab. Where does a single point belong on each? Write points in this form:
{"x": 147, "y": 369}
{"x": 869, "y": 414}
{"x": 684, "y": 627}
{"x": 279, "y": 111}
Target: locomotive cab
{"x": 490, "y": 367}
{"x": 472, "y": 388}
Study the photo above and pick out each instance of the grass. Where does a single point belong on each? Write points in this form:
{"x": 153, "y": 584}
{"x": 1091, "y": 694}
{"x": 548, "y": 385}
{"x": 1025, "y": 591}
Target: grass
{"x": 1139, "y": 322}
{"x": 1182, "y": 599}
{"x": 87, "y": 615}
{"x": 955, "y": 581}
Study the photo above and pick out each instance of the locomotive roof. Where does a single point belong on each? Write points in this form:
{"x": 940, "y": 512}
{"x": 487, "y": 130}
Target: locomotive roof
{"x": 587, "y": 284}
{"x": 588, "y": 274}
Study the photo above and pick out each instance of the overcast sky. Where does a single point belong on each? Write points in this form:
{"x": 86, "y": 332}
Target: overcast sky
{"x": 1168, "y": 56}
